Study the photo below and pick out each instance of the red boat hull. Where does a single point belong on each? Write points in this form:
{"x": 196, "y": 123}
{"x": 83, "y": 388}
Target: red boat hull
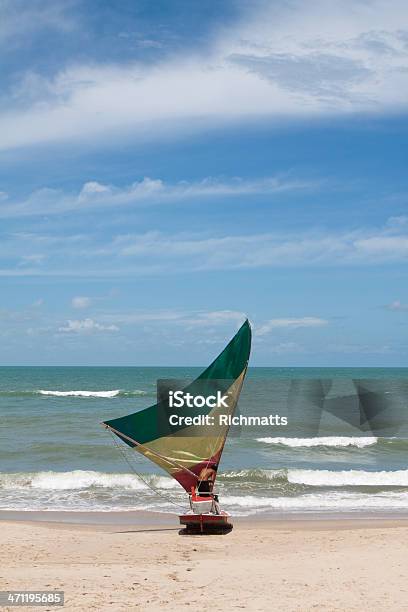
{"x": 206, "y": 523}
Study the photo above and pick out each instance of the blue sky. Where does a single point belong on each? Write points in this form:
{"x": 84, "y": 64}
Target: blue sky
{"x": 167, "y": 168}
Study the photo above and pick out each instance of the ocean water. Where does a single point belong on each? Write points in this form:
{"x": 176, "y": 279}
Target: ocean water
{"x": 54, "y": 454}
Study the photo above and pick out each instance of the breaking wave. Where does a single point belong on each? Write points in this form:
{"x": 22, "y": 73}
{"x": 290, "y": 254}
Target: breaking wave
{"x": 317, "y": 478}
{"x": 113, "y": 393}
{"x": 80, "y": 393}
{"x": 348, "y": 478}
{"x": 333, "y": 502}
{"x": 332, "y": 441}
{"x": 242, "y": 492}
{"x": 261, "y": 479}
{"x": 79, "y": 479}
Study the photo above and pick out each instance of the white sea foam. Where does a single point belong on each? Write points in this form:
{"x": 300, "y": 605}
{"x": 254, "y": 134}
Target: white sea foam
{"x": 334, "y": 441}
{"x": 238, "y": 505}
{"x": 112, "y": 393}
{"x": 353, "y": 478}
{"x": 254, "y": 475}
{"x": 320, "y": 502}
{"x": 100, "y": 491}
{"x": 319, "y": 478}
{"x": 79, "y": 479}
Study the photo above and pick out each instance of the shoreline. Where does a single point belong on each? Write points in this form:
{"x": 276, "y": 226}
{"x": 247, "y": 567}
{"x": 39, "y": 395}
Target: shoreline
{"x": 166, "y": 519}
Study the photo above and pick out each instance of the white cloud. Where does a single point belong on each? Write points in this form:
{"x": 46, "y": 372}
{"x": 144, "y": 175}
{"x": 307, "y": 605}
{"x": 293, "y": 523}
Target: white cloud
{"x": 397, "y": 305}
{"x": 191, "y": 318}
{"x": 283, "y": 348}
{"x": 35, "y": 259}
{"x": 217, "y": 317}
{"x": 289, "y": 323}
{"x": 365, "y": 246}
{"x": 388, "y": 247}
{"x": 297, "y": 59}
{"x": 148, "y": 191}
{"x": 18, "y": 316}
{"x": 209, "y": 321}
{"x": 398, "y": 222}
{"x": 156, "y": 253}
{"x": 19, "y": 19}
{"x": 81, "y": 301}
{"x": 338, "y": 55}
{"x": 86, "y": 326}
{"x": 204, "y": 326}
{"x": 318, "y": 74}
{"x": 93, "y": 187}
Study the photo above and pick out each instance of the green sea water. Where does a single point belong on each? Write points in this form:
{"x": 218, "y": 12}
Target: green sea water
{"x": 54, "y": 454}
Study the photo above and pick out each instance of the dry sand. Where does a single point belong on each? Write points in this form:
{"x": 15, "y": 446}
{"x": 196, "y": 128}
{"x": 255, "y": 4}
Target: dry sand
{"x": 274, "y": 566}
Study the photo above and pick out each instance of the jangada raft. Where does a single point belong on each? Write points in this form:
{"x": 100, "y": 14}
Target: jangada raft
{"x": 191, "y": 453}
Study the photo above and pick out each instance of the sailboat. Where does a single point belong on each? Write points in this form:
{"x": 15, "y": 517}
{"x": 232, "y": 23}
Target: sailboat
{"x": 191, "y": 453}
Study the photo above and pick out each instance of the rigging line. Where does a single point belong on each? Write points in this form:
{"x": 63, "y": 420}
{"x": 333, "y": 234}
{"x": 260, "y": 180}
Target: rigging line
{"x": 122, "y": 451}
{"x": 149, "y": 450}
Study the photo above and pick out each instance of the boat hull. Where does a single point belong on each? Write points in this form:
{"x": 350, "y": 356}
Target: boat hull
{"x": 205, "y": 523}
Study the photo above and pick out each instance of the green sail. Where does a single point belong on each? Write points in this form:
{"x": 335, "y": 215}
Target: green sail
{"x": 190, "y": 454}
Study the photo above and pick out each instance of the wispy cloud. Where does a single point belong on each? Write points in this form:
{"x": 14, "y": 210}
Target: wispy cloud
{"x": 365, "y": 246}
{"x": 316, "y": 74}
{"x": 398, "y": 306}
{"x": 284, "y": 60}
{"x": 286, "y": 348}
{"x": 36, "y": 259}
{"x": 148, "y": 191}
{"x": 19, "y": 19}
{"x": 169, "y": 324}
{"x": 189, "y": 319}
{"x": 290, "y": 323}
{"x": 86, "y": 326}
{"x": 156, "y": 253}
{"x": 81, "y": 301}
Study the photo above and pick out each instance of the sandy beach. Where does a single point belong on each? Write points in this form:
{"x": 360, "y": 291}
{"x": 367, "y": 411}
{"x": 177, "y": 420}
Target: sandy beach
{"x": 300, "y": 565}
